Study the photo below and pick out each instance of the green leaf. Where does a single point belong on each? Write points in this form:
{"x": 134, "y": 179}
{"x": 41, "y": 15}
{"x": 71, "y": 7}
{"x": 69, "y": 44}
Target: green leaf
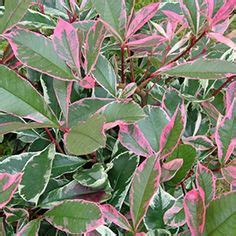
{"x": 124, "y": 166}
{"x": 36, "y": 175}
{"x": 72, "y": 190}
{"x": 203, "y": 69}
{"x": 86, "y": 137}
{"x": 30, "y": 229}
{"x": 64, "y": 164}
{"x": 94, "y": 177}
{"x": 15, "y": 164}
{"x": 21, "y": 99}
{"x": 161, "y": 202}
{"x": 14, "y": 11}
{"x": 152, "y": 125}
{"x": 145, "y": 184}
{"x": 113, "y": 12}
{"x": 20, "y": 126}
{"x": 87, "y": 218}
{"x": 188, "y": 154}
{"x": 43, "y": 58}
{"x": 84, "y": 108}
{"x": 129, "y": 112}
{"x": 105, "y": 75}
{"x": 221, "y": 216}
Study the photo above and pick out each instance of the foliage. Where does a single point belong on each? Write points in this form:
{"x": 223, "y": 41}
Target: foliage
{"x": 117, "y": 121}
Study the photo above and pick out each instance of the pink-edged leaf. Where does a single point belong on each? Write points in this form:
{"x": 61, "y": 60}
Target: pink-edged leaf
{"x": 222, "y": 39}
{"x": 141, "y": 18}
{"x": 111, "y": 214}
{"x": 66, "y": 43}
{"x": 25, "y": 45}
{"x": 195, "y": 211}
{"x": 229, "y": 172}
{"x": 224, "y": 12}
{"x": 170, "y": 168}
{"x": 149, "y": 41}
{"x": 200, "y": 142}
{"x": 173, "y": 16}
{"x": 131, "y": 137}
{"x": 175, "y": 216}
{"x": 88, "y": 82}
{"x": 93, "y": 44}
{"x": 8, "y": 186}
{"x": 129, "y": 90}
{"x": 30, "y": 229}
{"x": 87, "y": 218}
{"x": 211, "y": 110}
{"x": 172, "y": 132}
{"x": 230, "y": 95}
{"x": 207, "y": 182}
{"x": 225, "y": 134}
{"x": 113, "y": 15}
{"x": 145, "y": 184}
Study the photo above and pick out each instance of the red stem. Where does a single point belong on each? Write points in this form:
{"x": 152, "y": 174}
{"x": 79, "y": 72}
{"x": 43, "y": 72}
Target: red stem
{"x": 123, "y": 79}
{"x": 53, "y": 140}
{"x": 217, "y": 91}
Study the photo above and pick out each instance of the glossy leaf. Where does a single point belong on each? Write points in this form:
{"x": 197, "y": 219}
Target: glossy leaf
{"x": 114, "y": 216}
{"x": 21, "y": 99}
{"x": 43, "y": 59}
{"x": 64, "y": 164}
{"x": 95, "y": 177}
{"x": 30, "y": 229}
{"x": 141, "y": 18}
{"x": 66, "y": 43}
{"x": 225, "y": 135}
{"x": 36, "y": 175}
{"x": 14, "y": 12}
{"x": 206, "y": 181}
{"x": 203, "y": 69}
{"x": 172, "y": 132}
{"x": 133, "y": 139}
{"x": 221, "y": 215}
{"x": 152, "y": 125}
{"x": 113, "y": 13}
{"x": 195, "y": 211}
{"x": 62, "y": 216}
{"x": 124, "y": 166}
{"x": 86, "y": 137}
{"x": 147, "y": 175}
{"x": 93, "y": 45}
{"x": 105, "y": 75}
{"x": 161, "y": 202}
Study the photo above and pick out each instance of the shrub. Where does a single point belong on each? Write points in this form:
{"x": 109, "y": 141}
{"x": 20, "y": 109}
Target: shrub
{"x": 115, "y": 122}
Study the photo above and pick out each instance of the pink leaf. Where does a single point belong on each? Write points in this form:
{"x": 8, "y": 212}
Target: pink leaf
{"x": 133, "y": 139}
{"x": 230, "y": 95}
{"x": 224, "y": 12}
{"x": 169, "y": 169}
{"x": 195, "y": 212}
{"x": 88, "y": 82}
{"x": 9, "y": 184}
{"x": 141, "y": 18}
{"x": 207, "y": 182}
{"x": 222, "y": 39}
{"x": 66, "y": 43}
{"x": 109, "y": 212}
